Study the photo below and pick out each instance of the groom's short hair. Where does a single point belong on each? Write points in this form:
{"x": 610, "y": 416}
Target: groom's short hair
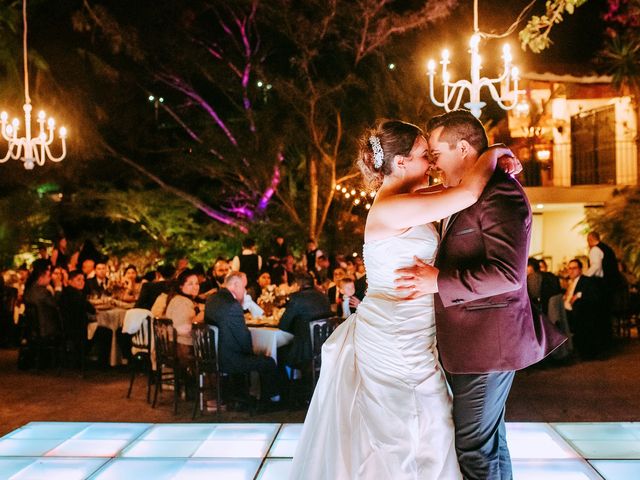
{"x": 460, "y": 125}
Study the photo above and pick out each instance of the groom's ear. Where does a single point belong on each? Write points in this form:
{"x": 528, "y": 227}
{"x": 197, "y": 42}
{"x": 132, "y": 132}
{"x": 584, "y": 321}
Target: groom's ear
{"x": 464, "y": 147}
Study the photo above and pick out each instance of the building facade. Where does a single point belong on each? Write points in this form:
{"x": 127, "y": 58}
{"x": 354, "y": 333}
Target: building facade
{"x": 577, "y": 139}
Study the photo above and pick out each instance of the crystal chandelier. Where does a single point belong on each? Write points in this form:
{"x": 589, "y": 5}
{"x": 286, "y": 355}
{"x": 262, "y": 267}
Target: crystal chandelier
{"x": 30, "y": 149}
{"x": 455, "y": 90}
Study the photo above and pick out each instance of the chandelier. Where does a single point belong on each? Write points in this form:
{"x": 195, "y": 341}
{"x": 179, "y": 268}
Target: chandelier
{"x": 30, "y": 149}
{"x": 507, "y": 99}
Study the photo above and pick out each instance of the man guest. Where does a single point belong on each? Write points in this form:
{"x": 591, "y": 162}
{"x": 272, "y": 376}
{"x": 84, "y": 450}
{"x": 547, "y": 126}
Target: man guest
{"x": 235, "y": 353}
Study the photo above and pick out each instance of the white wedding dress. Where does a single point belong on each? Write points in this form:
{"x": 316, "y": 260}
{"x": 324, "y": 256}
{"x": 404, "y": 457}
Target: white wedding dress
{"x": 382, "y": 409}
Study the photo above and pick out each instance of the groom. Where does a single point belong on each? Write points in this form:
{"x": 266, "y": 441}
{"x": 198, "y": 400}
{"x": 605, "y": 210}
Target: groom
{"x": 485, "y": 327}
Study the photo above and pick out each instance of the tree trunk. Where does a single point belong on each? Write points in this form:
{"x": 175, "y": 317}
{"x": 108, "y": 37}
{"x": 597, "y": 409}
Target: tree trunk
{"x": 635, "y": 103}
{"x": 313, "y": 196}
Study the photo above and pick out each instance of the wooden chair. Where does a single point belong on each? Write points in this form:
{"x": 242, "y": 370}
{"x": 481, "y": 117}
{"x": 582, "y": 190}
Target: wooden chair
{"x": 8, "y": 330}
{"x": 141, "y": 356}
{"x": 167, "y": 364}
{"x": 42, "y": 342}
{"x": 320, "y": 330}
{"x": 206, "y": 364}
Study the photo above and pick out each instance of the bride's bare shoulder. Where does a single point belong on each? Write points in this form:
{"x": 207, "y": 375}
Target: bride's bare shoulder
{"x": 375, "y": 229}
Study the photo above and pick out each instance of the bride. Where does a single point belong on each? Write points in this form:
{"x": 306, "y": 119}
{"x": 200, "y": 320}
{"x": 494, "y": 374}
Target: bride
{"x": 382, "y": 408}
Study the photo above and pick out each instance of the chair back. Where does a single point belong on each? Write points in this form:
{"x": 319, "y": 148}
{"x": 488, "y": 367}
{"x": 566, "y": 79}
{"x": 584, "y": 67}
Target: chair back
{"x": 204, "y": 347}
{"x": 320, "y": 330}
{"x": 166, "y": 340}
{"x": 9, "y": 297}
{"x": 141, "y": 340}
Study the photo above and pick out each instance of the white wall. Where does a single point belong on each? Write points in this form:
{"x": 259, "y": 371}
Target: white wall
{"x": 558, "y": 235}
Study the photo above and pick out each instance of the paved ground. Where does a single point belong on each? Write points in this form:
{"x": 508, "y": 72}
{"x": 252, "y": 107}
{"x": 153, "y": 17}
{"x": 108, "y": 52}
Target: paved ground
{"x": 600, "y": 391}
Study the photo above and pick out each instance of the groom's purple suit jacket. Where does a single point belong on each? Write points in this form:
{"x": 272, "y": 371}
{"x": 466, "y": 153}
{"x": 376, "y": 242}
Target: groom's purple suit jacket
{"x": 483, "y": 313}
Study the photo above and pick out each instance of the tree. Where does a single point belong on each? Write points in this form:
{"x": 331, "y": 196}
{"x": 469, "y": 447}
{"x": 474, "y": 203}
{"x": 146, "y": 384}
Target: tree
{"x": 535, "y": 35}
{"x": 333, "y": 49}
{"x": 259, "y": 95}
{"x": 619, "y": 223}
{"x": 621, "y": 54}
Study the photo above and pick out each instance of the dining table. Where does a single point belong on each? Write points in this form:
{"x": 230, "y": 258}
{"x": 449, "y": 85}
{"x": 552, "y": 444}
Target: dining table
{"x": 110, "y": 313}
{"x": 266, "y": 337}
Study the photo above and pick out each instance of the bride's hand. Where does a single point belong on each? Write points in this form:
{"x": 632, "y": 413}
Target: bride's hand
{"x": 507, "y": 161}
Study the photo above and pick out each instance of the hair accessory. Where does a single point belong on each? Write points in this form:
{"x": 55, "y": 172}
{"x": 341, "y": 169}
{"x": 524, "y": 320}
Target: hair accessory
{"x": 378, "y": 153}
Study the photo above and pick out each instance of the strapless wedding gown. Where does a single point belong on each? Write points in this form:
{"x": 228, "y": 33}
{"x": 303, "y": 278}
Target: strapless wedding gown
{"x": 382, "y": 409}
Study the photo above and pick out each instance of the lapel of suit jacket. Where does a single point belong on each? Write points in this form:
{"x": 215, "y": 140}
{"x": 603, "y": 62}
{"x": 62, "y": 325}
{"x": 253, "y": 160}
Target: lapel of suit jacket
{"x": 446, "y": 230}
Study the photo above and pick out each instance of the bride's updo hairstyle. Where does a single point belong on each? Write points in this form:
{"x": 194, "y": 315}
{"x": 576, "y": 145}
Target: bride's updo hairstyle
{"x": 379, "y": 145}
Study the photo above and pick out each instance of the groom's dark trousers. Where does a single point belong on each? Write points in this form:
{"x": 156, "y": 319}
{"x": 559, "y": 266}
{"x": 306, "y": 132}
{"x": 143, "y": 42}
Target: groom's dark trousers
{"x": 478, "y": 414}
{"x": 485, "y": 326}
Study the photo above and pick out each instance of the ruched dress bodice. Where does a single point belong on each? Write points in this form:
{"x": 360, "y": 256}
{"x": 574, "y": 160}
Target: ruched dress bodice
{"x": 382, "y": 408}
{"x": 382, "y": 257}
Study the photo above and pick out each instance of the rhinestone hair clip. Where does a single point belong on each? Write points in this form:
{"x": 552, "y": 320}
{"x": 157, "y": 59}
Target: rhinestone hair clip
{"x": 378, "y": 153}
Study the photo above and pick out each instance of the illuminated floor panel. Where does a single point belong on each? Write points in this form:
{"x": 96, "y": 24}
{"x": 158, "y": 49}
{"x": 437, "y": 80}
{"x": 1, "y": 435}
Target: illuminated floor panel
{"x": 263, "y": 451}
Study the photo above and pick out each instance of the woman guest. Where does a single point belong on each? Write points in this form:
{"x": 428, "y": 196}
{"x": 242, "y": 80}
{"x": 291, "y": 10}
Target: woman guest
{"x": 131, "y": 284}
{"x": 184, "y": 311}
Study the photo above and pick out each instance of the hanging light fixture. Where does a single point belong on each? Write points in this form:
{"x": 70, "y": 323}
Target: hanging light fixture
{"x": 455, "y": 90}
{"x": 30, "y": 149}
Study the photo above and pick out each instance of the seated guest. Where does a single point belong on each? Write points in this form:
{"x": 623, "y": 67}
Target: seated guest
{"x": 98, "y": 284}
{"x": 305, "y": 305}
{"x": 150, "y": 291}
{"x": 235, "y": 352}
{"x": 184, "y": 311}
{"x": 541, "y": 286}
{"x": 348, "y": 301}
{"x": 333, "y": 293}
{"x": 8, "y": 302}
{"x": 88, "y": 268}
{"x": 321, "y": 274}
{"x": 283, "y": 272}
{"x": 59, "y": 279}
{"x": 75, "y": 310}
{"x": 264, "y": 280}
{"x": 216, "y": 277}
{"x": 131, "y": 285}
{"x": 582, "y": 302}
{"x": 40, "y": 304}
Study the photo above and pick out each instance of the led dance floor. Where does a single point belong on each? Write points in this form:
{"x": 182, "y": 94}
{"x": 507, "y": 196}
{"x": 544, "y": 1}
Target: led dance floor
{"x": 263, "y": 451}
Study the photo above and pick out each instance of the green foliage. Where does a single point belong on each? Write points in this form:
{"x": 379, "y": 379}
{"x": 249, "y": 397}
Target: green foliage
{"x": 25, "y": 218}
{"x": 535, "y": 35}
{"x": 155, "y": 225}
{"x": 143, "y": 226}
{"x": 622, "y": 57}
{"x": 619, "y": 225}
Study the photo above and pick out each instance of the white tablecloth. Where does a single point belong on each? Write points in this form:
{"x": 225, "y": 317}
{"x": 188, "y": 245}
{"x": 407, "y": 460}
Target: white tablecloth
{"x": 266, "y": 340}
{"x": 111, "y": 319}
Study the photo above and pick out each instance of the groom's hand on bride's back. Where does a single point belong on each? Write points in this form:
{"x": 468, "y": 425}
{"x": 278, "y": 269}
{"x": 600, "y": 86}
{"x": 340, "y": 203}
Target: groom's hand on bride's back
{"x": 417, "y": 280}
